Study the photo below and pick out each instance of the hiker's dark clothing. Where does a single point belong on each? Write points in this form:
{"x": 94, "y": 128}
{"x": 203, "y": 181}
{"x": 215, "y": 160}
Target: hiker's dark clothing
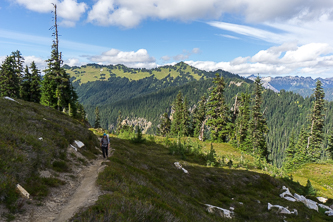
{"x": 105, "y": 146}
{"x": 105, "y": 151}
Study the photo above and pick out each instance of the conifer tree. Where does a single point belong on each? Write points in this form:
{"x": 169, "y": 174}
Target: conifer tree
{"x": 317, "y": 124}
{"x": 18, "y": 68}
{"x": 31, "y": 84}
{"x": 258, "y": 123}
{"x": 97, "y": 118}
{"x": 186, "y": 121}
{"x": 57, "y": 90}
{"x": 330, "y": 145}
{"x": 119, "y": 121}
{"x": 217, "y": 111}
{"x": 242, "y": 121}
{"x": 177, "y": 124}
{"x": 165, "y": 125}
{"x": 9, "y": 81}
{"x": 199, "y": 116}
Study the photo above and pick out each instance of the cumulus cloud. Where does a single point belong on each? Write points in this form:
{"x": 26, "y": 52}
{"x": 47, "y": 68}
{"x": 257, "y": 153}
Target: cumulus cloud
{"x": 286, "y": 59}
{"x": 138, "y": 59}
{"x": 129, "y": 13}
{"x": 185, "y": 55}
{"x": 69, "y": 10}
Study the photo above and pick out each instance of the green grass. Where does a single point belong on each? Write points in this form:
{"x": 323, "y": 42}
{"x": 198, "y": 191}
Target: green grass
{"x": 22, "y": 154}
{"x": 146, "y": 186}
{"x": 90, "y": 73}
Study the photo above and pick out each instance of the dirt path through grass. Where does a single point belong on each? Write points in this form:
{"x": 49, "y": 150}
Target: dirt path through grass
{"x": 86, "y": 194}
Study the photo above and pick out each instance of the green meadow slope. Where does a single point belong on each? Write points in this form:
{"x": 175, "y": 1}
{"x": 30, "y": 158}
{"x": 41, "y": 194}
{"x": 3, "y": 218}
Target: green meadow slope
{"x": 141, "y": 183}
{"x": 34, "y": 138}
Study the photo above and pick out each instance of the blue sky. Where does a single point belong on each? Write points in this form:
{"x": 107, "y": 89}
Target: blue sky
{"x": 272, "y": 38}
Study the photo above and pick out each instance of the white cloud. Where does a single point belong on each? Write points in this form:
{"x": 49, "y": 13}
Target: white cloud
{"x": 138, "y": 59}
{"x": 130, "y": 13}
{"x": 40, "y": 62}
{"x": 287, "y": 59}
{"x": 229, "y": 36}
{"x": 74, "y": 62}
{"x": 69, "y": 10}
{"x": 185, "y": 55}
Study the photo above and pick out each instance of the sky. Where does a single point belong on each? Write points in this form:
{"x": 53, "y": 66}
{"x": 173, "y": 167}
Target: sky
{"x": 269, "y": 38}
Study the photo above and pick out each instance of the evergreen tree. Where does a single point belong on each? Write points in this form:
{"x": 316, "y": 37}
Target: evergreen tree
{"x": 186, "y": 121}
{"x": 317, "y": 124}
{"x": 35, "y": 87}
{"x": 31, "y": 84}
{"x": 119, "y": 121}
{"x": 178, "y": 123}
{"x": 9, "y": 81}
{"x": 57, "y": 90}
{"x": 81, "y": 113}
{"x": 18, "y": 68}
{"x": 217, "y": 111}
{"x": 97, "y": 118}
{"x": 199, "y": 116}
{"x": 242, "y": 121}
{"x": 165, "y": 125}
{"x": 330, "y": 145}
{"x": 258, "y": 125}
{"x": 309, "y": 190}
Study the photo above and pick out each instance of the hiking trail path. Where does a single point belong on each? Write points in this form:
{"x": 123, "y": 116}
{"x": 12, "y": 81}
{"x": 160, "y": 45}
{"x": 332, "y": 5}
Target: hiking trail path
{"x": 79, "y": 192}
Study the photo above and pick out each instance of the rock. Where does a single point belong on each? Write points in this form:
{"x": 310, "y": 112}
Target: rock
{"x": 45, "y": 174}
{"x": 282, "y": 210}
{"x": 78, "y": 143}
{"x": 8, "y": 98}
{"x": 309, "y": 203}
{"x": 224, "y": 212}
{"x": 232, "y": 208}
{"x": 287, "y": 195}
{"x": 23, "y": 192}
{"x": 240, "y": 203}
{"x": 40, "y": 138}
{"x": 73, "y": 147}
{"x": 322, "y": 199}
{"x": 177, "y": 164}
{"x": 331, "y": 206}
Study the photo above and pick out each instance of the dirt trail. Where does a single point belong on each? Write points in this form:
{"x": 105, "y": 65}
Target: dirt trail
{"x": 79, "y": 192}
{"x": 86, "y": 194}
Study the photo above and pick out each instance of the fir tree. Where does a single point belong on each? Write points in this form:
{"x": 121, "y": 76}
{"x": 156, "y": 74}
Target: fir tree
{"x": 119, "y": 121}
{"x": 317, "y": 124}
{"x": 31, "y": 84}
{"x": 258, "y": 123}
{"x": 330, "y": 145}
{"x": 186, "y": 121}
{"x": 242, "y": 121}
{"x": 309, "y": 190}
{"x": 97, "y": 118}
{"x": 165, "y": 125}
{"x": 217, "y": 111}
{"x": 178, "y": 123}
{"x": 9, "y": 81}
{"x": 199, "y": 116}
{"x": 18, "y": 68}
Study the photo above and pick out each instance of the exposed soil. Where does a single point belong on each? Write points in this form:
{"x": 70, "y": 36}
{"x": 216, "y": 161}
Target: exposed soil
{"x": 80, "y": 191}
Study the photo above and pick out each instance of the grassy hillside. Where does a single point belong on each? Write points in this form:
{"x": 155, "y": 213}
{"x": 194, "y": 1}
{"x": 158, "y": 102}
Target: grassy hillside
{"x": 142, "y": 184}
{"x": 35, "y": 138}
{"x": 94, "y": 72}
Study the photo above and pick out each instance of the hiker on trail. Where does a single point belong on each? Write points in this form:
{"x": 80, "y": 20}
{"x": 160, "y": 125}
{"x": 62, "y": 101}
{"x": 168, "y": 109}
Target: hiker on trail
{"x": 105, "y": 145}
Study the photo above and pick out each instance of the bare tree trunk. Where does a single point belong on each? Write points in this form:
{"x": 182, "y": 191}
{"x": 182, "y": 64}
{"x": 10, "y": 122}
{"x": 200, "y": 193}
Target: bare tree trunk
{"x": 202, "y": 129}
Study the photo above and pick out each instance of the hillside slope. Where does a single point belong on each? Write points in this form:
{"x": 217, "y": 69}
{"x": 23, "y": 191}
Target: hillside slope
{"x": 144, "y": 185}
{"x": 35, "y": 138}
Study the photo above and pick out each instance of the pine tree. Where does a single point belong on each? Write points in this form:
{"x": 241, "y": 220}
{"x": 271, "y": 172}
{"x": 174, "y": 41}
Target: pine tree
{"x": 18, "y": 68}
{"x": 119, "y": 121}
{"x": 165, "y": 125}
{"x": 186, "y": 121}
{"x": 217, "y": 111}
{"x": 35, "y": 87}
{"x": 330, "y": 145}
{"x": 57, "y": 90}
{"x": 317, "y": 124}
{"x": 97, "y": 118}
{"x": 199, "y": 116}
{"x": 290, "y": 152}
{"x": 9, "y": 81}
{"x": 258, "y": 123}
{"x": 177, "y": 124}
{"x": 242, "y": 121}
